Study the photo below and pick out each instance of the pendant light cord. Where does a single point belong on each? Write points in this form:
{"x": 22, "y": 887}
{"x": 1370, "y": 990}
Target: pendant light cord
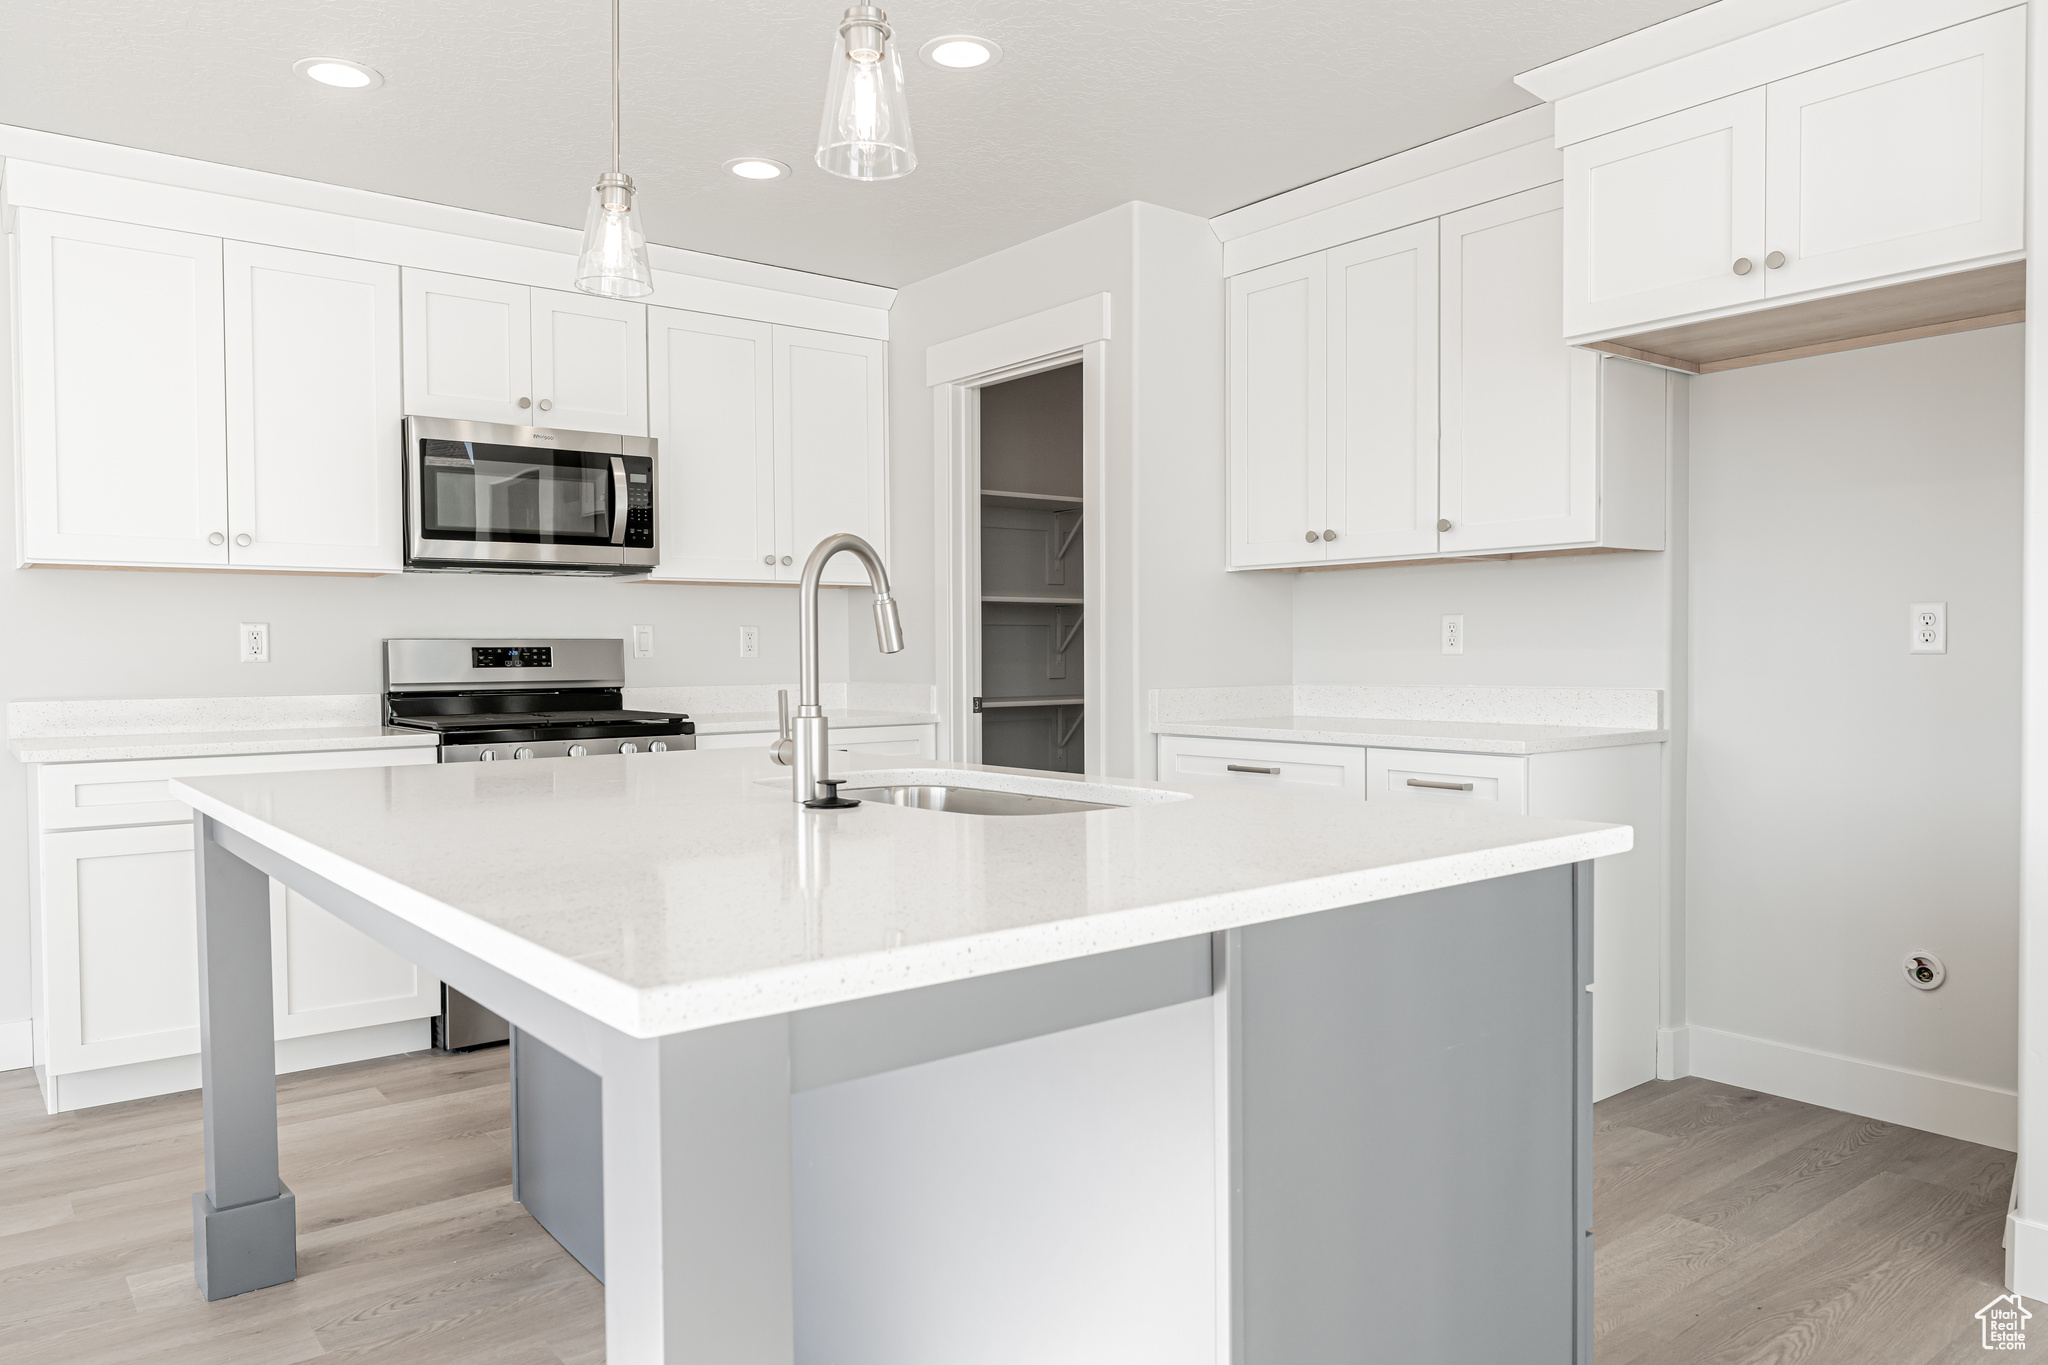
{"x": 615, "y": 86}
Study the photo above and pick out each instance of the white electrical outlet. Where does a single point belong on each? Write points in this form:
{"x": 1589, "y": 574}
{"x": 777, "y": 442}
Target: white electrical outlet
{"x": 253, "y": 639}
{"x": 1930, "y": 628}
{"x": 750, "y": 642}
{"x": 643, "y": 642}
{"x": 1454, "y": 635}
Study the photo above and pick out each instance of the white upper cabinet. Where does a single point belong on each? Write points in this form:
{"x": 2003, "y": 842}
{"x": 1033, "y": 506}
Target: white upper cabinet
{"x": 831, "y": 447}
{"x": 712, "y": 416}
{"x": 1520, "y": 458}
{"x": 1907, "y": 159}
{"x": 313, "y": 411}
{"x": 589, "y": 363}
{"x": 468, "y": 349}
{"x": 1904, "y": 158}
{"x": 493, "y": 352}
{"x": 1279, "y": 418}
{"x": 123, "y": 421}
{"x": 1382, "y": 463}
{"x": 1666, "y": 217}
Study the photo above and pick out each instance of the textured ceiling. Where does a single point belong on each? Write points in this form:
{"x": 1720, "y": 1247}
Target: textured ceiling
{"x": 1199, "y": 105}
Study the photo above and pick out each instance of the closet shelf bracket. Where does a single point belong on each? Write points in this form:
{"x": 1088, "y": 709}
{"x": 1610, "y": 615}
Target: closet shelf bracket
{"x": 1068, "y": 543}
{"x": 1068, "y": 638}
{"x": 1067, "y": 734}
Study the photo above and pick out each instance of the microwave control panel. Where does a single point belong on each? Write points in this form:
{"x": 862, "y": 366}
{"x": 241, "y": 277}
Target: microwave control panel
{"x": 640, "y": 503}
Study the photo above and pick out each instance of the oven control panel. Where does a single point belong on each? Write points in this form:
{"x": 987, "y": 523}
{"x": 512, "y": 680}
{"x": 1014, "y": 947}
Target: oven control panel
{"x": 512, "y": 656}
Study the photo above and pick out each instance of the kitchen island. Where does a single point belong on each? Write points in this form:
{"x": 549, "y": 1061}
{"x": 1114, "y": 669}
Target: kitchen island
{"x": 1400, "y": 995}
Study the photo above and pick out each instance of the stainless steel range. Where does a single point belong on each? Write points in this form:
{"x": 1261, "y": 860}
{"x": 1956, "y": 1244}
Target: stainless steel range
{"x": 492, "y": 700}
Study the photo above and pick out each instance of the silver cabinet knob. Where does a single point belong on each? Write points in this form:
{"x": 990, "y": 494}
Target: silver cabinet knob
{"x": 785, "y": 559}
{"x": 1742, "y": 265}
{"x": 244, "y": 540}
{"x": 1329, "y": 535}
{"x": 216, "y": 539}
{"x": 522, "y": 753}
{"x": 767, "y": 559}
{"x": 547, "y": 405}
{"x": 1775, "y": 260}
{"x": 488, "y": 756}
{"x": 658, "y": 747}
{"x": 526, "y": 402}
{"x": 577, "y": 751}
{"x": 1443, "y": 523}
{"x": 629, "y": 747}
{"x": 1312, "y": 537}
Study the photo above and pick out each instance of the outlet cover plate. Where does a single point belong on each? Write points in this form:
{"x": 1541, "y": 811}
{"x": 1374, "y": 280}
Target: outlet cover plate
{"x": 1454, "y": 635}
{"x": 1929, "y": 633}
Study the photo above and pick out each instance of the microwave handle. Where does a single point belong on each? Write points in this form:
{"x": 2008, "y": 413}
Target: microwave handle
{"x": 618, "y": 500}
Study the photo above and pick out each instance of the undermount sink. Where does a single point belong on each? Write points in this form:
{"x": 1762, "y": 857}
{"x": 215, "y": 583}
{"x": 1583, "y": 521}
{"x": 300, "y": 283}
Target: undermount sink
{"x": 970, "y": 800}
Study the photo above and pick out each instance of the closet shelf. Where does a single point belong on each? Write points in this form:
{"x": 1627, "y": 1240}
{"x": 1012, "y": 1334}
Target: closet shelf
{"x": 1040, "y": 601}
{"x": 991, "y": 703}
{"x": 1043, "y": 502}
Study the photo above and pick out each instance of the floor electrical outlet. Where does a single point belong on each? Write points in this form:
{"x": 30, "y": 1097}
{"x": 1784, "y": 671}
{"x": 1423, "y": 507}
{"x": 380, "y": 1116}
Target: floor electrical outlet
{"x": 643, "y": 642}
{"x": 254, "y": 641}
{"x": 1454, "y": 635}
{"x": 1930, "y": 628}
{"x": 750, "y": 641}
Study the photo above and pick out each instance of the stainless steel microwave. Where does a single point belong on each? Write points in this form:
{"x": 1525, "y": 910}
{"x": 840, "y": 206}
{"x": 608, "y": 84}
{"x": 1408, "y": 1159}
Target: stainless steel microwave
{"x": 485, "y": 498}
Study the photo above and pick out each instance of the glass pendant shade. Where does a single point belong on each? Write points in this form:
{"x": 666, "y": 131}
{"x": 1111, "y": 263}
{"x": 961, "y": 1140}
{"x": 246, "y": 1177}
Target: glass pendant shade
{"x": 865, "y": 134}
{"x": 614, "y": 257}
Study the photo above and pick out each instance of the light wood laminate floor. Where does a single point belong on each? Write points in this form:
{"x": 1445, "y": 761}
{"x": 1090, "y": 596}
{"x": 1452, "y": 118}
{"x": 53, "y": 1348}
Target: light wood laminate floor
{"x": 1736, "y": 1228}
{"x": 1733, "y": 1228}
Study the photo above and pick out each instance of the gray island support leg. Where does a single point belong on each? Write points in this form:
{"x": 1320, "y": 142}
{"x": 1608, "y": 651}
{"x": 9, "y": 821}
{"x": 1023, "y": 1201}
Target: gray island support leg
{"x": 244, "y": 1223}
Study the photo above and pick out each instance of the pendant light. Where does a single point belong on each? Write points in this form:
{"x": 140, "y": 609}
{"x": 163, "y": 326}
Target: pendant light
{"x": 865, "y": 134}
{"x": 614, "y": 257}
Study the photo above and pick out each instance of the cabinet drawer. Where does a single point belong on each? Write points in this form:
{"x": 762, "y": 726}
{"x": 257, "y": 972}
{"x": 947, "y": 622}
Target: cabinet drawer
{"x": 1263, "y": 765}
{"x": 1490, "y": 781}
{"x": 138, "y": 792}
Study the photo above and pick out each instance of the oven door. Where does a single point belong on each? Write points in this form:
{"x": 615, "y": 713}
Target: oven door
{"x": 484, "y": 496}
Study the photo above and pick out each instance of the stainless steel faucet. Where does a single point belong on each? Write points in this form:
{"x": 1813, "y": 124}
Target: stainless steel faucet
{"x": 804, "y": 747}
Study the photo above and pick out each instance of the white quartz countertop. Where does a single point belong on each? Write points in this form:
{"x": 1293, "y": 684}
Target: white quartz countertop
{"x": 1478, "y": 737}
{"x": 664, "y": 892}
{"x": 752, "y": 722}
{"x": 106, "y": 748}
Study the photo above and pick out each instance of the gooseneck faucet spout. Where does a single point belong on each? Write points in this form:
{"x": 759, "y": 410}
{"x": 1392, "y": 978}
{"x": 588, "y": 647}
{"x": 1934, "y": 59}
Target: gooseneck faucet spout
{"x": 805, "y": 746}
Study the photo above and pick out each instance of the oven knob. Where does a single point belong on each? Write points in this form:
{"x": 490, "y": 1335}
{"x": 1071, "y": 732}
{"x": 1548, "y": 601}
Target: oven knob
{"x": 657, "y": 747}
{"x": 629, "y": 747}
{"x": 577, "y": 751}
{"x": 522, "y": 753}
{"x": 487, "y": 756}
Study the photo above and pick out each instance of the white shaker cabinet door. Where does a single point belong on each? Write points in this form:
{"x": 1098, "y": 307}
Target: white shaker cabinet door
{"x": 1279, "y": 414}
{"x": 314, "y": 411}
{"x": 831, "y": 446}
{"x": 123, "y": 422}
{"x": 326, "y": 975}
{"x": 1520, "y": 456}
{"x": 711, "y": 412}
{"x": 1901, "y": 159}
{"x": 468, "y": 348}
{"x": 589, "y": 363}
{"x": 120, "y": 946}
{"x": 1383, "y": 396}
{"x": 1665, "y": 218}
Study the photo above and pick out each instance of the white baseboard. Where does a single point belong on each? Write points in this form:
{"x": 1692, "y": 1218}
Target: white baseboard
{"x": 169, "y": 1075}
{"x": 17, "y": 1044}
{"x": 1934, "y": 1104}
{"x": 2026, "y": 1257}
{"x": 1674, "y": 1053}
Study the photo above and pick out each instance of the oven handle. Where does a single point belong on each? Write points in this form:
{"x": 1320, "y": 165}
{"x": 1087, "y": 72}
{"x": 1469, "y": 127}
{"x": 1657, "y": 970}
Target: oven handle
{"x": 618, "y": 500}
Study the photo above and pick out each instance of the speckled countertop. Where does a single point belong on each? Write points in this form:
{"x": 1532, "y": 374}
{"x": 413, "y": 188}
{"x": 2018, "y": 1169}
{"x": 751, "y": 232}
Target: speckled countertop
{"x": 665, "y": 892}
{"x": 175, "y": 744}
{"x": 1450, "y": 736}
{"x": 752, "y": 722}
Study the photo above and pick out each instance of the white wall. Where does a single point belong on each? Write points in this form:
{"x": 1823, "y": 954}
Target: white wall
{"x": 1196, "y": 625}
{"x": 1850, "y": 803}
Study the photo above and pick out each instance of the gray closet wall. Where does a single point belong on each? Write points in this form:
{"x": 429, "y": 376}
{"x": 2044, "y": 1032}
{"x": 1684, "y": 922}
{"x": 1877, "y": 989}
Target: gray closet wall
{"x": 1031, "y": 595}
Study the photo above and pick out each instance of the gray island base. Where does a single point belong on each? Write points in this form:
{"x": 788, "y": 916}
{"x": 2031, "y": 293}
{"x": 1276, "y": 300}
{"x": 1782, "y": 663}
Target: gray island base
{"x": 1404, "y": 1125}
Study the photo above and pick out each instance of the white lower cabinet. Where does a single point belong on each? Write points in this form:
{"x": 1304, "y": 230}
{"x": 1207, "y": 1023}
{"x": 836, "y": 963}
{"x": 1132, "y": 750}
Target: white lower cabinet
{"x": 1618, "y": 785}
{"x": 116, "y": 942}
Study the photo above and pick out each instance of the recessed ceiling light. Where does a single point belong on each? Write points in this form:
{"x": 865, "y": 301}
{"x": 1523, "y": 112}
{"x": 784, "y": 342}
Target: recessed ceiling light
{"x": 340, "y": 72}
{"x": 960, "y": 52}
{"x": 756, "y": 168}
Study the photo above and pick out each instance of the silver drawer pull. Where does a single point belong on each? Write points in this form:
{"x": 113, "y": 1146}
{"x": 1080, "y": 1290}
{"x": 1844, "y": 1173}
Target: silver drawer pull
{"x": 1250, "y": 768}
{"x": 1441, "y": 786}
